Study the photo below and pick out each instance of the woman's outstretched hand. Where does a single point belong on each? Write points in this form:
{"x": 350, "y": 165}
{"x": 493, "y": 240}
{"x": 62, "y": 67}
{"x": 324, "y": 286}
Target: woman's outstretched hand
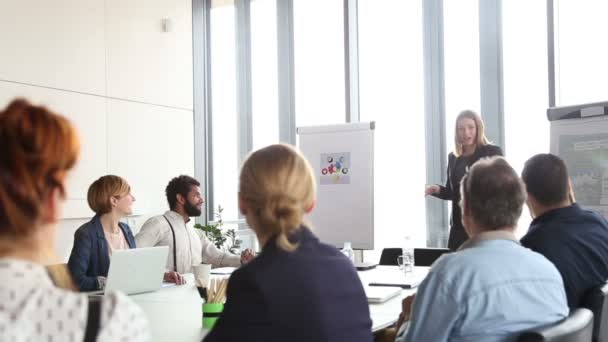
{"x": 431, "y": 190}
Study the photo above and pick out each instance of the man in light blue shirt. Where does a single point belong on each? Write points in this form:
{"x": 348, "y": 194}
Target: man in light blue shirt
{"x": 492, "y": 288}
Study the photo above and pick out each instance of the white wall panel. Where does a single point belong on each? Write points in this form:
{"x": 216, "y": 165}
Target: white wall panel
{"x": 110, "y": 49}
{"x": 64, "y": 238}
{"x": 144, "y": 63}
{"x": 57, "y": 43}
{"x": 88, "y": 114}
{"x": 149, "y": 146}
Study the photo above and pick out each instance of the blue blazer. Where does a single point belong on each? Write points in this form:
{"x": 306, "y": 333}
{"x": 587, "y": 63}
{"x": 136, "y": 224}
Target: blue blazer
{"x": 89, "y": 258}
{"x": 310, "y": 294}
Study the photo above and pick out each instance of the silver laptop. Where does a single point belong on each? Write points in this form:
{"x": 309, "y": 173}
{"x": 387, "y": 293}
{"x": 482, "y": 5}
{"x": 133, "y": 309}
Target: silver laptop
{"x": 136, "y": 270}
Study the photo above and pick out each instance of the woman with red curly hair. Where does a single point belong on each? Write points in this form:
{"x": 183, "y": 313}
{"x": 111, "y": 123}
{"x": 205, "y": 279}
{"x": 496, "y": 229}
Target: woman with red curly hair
{"x": 38, "y": 148}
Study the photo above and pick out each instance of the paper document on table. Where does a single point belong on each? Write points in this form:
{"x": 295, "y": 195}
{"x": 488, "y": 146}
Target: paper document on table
{"x": 398, "y": 279}
{"x": 223, "y": 270}
{"x": 381, "y": 294}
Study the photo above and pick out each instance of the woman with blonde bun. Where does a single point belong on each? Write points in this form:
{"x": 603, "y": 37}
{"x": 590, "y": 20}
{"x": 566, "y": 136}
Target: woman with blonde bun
{"x": 298, "y": 288}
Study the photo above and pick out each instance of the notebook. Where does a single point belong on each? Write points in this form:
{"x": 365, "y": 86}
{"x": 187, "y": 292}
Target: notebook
{"x": 377, "y": 294}
{"x": 223, "y": 270}
{"x": 364, "y": 266}
{"x": 136, "y": 270}
{"x": 398, "y": 279}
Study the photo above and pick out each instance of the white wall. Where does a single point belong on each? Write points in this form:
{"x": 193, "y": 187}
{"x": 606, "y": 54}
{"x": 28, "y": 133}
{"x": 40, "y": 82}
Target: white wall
{"x": 127, "y": 86}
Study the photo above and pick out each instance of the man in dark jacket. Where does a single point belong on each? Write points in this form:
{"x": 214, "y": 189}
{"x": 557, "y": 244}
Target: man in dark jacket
{"x": 574, "y": 239}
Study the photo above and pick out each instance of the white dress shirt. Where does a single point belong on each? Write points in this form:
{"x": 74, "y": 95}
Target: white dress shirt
{"x": 33, "y": 309}
{"x": 193, "y": 247}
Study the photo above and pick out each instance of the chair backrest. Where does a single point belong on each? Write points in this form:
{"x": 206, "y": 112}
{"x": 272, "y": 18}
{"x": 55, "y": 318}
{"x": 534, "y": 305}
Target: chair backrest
{"x": 389, "y": 256}
{"x": 578, "y": 327}
{"x": 595, "y": 300}
{"x": 61, "y": 276}
{"x": 422, "y": 256}
{"x": 427, "y": 256}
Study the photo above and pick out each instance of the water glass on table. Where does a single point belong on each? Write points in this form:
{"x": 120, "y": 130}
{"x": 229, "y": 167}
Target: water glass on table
{"x": 405, "y": 264}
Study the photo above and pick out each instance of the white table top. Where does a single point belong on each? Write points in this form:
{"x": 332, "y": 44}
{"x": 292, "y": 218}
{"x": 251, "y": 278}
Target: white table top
{"x": 175, "y": 312}
{"x": 387, "y": 313}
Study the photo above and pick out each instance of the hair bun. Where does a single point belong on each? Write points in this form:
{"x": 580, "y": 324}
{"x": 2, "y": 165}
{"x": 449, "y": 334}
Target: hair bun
{"x": 282, "y": 213}
{"x": 277, "y": 183}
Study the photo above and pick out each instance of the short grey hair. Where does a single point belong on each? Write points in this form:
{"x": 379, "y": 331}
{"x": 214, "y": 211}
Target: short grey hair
{"x": 493, "y": 193}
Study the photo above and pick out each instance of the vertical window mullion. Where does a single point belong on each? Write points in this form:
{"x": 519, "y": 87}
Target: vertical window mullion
{"x": 202, "y": 101}
{"x": 491, "y": 78}
{"x": 434, "y": 103}
{"x": 351, "y": 60}
{"x": 226, "y": 93}
{"x": 243, "y": 74}
{"x": 551, "y": 50}
{"x": 286, "y": 83}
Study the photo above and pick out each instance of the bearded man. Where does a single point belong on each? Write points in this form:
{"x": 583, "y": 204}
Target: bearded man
{"x": 187, "y": 246}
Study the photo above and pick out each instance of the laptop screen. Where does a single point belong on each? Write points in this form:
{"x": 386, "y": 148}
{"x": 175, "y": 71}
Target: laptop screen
{"x": 137, "y": 270}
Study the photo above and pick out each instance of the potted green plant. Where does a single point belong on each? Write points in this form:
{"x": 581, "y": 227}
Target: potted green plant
{"x": 224, "y": 239}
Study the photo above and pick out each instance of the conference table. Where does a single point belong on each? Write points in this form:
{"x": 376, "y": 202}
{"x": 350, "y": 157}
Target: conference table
{"x": 386, "y": 314}
{"x": 175, "y": 312}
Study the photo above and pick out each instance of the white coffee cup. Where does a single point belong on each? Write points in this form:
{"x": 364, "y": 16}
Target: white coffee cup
{"x": 202, "y": 274}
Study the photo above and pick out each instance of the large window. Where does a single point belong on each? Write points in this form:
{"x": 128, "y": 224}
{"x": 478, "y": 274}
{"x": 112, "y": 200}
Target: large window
{"x": 461, "y": 49}
{"x": 392, "y": 95}
{"x": 392, "y": 83}
{"x": 319, "y": 62}
{"x": 224, "y": 113}
{"x": 265, "y": 98}
{"x": 525, "y": 84}
{"x": 581, "y": 51}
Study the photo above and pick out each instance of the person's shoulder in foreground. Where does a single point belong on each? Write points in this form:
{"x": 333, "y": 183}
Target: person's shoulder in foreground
{"x": 574, "y": 239}
{"x": 36, "y": 309}
{"x": 310, "y": 294}
{"x": 32, "y": 193}
{"x": 492, "y": 288}
{"x": 495, "y": 289}
{"x": 297, "y": 289}
{"x": 491, "y": 262}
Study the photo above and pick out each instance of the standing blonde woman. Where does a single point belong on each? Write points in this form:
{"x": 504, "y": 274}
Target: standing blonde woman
{"x": 37, "y": 150}
{"x": 470, "y": 145}
{"x": 297, "y": 289}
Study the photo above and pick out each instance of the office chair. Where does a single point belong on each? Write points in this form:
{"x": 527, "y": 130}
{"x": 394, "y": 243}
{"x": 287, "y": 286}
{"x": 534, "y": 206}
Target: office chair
{"x": 578, "y": 327}
{"x": 596, "y": 301}
{"x": 427, "y": 256}
{"x": 389, "y": 256}
{"x": 422, "y": 256}
{"x": 61, "y": 276}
